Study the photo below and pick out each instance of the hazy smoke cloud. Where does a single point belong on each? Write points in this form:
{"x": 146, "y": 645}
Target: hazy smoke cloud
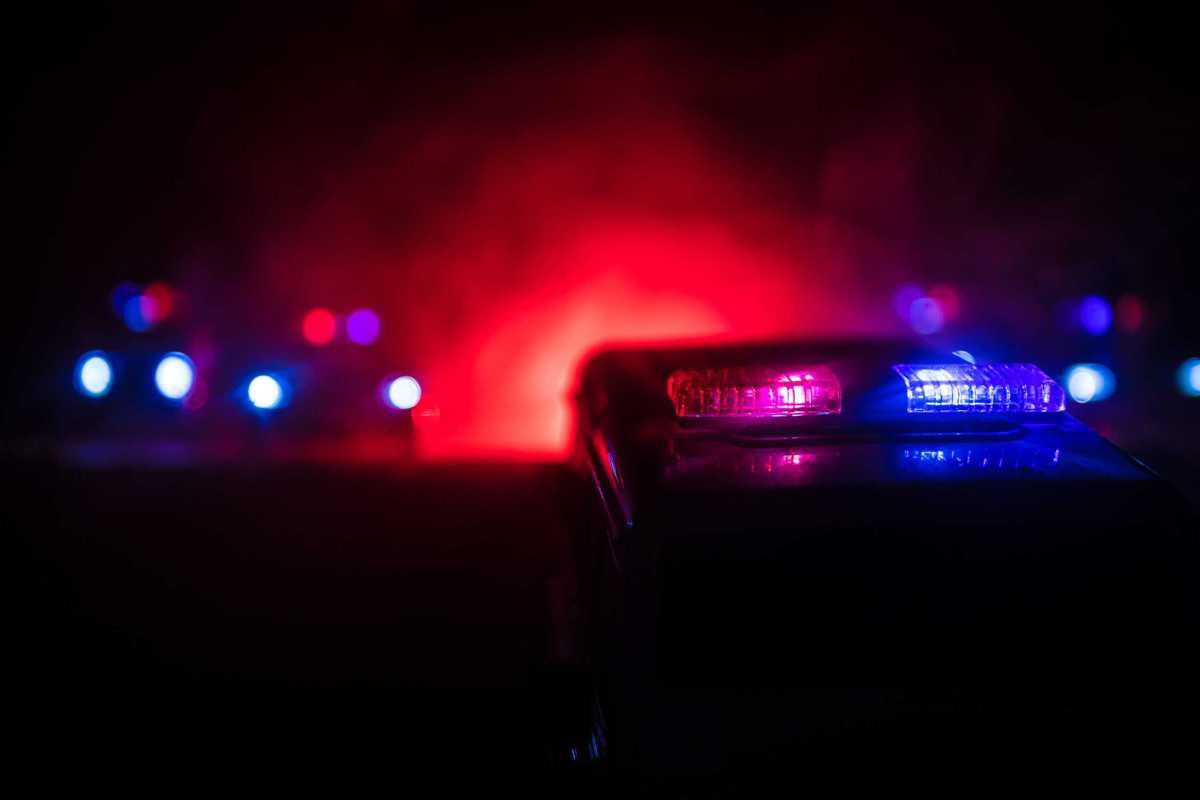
{"x": 626, "y": 192}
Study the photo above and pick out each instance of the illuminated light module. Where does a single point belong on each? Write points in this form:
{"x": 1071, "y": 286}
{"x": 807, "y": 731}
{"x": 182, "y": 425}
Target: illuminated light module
{"x": 755, "y": 392}
{"x": 988, "y": 388}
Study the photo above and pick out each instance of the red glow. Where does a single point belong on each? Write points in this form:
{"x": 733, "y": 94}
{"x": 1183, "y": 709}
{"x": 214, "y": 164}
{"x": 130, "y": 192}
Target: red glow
{"x": 571, "y": 212}
{"x": 1130, "y": 313}
{"x": 319, "y": 327}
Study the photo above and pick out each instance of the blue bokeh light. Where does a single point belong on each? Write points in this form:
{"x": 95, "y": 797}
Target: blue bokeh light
{"x": 1095, "y": 315}
{"x": 265, "y": 392}
{"x": 1188, "y": 377}
{"x": 93, "y": 374}
{"x": 122, "y": 294}
{"x": 403, "y": 392}
{"x": 1089, "y": 383}
{"x": 134, "y": 314}
{"x": 174, "y": 376}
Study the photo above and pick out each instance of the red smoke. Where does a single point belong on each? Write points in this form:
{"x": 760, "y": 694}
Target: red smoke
{"x": 529, "y": 215}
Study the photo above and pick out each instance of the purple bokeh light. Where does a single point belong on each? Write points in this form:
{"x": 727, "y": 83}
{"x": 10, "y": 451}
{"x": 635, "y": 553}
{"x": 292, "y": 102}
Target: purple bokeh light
{"x": 362, "y": 326}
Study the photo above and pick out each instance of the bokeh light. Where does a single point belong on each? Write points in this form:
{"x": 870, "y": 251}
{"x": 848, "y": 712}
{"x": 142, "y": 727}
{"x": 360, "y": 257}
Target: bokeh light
{"x": 265, "y": 392}
{"x": 403, "y": 392}
{"x": 362, "y": 326}
{"x": 1095, "y": 315}
{"x": 174, "y": 376}
{"x": 143, "y": 310}
{"x": 1188, "y": 377}
{"x": 93, "y": 374}
{"x": 1089, "y": 383}
{"x": 319, "y": 327}
{"x": 133, "y": 312}
{"x": 926, "y": 316}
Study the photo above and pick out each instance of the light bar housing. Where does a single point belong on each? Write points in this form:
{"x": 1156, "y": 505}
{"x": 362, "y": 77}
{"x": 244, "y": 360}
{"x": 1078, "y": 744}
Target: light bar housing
{"x": 975, "y": 389}
{"x": 755, "y": 392}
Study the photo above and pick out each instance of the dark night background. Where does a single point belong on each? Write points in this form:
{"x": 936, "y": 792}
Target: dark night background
{"x": 511, "y": 189}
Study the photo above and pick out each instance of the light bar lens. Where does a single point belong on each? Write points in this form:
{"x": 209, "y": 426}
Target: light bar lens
{"x": 755, "y": 392}
{"x": 987, "y": 388}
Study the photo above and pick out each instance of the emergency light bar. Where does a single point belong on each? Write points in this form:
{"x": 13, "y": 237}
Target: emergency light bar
{"x": 987, "y": 388}
{"x": 749, "y": 393}
{"x": 755, "y": 392}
